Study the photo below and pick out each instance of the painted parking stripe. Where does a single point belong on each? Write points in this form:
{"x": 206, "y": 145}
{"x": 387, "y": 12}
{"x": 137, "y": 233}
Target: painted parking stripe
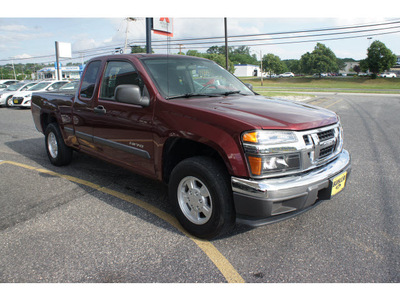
{"x": 223, "y": 265}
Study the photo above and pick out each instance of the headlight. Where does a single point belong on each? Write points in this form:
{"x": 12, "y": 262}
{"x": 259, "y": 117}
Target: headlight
{"x": 271, "y": 151}
{"x": 269, "y": 137}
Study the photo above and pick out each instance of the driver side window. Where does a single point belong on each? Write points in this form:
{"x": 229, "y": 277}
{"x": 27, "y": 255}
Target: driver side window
{"x": 117, "y": 73}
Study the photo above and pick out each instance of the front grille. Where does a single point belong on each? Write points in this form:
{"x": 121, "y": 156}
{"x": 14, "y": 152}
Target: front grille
{"x": 326, "y": 135}
{"x": 326, "y": 151}
{"x": 18, "y": 100}
{"x": 322, "y": 144}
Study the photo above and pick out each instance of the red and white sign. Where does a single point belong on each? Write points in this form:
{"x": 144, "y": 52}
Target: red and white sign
{"x": 163, "y": 26}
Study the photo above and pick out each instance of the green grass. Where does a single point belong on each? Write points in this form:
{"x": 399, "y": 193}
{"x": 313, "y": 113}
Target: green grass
{"x": 281, "y": 94}
{"x": 356, "y": 83}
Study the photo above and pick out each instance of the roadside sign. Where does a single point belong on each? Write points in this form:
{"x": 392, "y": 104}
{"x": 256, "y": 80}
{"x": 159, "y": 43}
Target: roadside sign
{"x": 163, "y": 26}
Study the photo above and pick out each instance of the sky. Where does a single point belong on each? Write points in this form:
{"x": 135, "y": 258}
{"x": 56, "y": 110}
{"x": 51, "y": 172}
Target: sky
{"x": 28, "y": 33}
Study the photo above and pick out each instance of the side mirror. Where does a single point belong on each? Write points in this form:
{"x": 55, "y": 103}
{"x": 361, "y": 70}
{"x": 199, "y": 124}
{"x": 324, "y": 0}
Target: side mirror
{"x": 250, "y": 86}
{"x": 129, "y": 93}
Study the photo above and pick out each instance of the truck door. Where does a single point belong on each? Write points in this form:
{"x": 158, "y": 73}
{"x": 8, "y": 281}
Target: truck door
{"x": 83, "y": 117}
{"x": 124, "y": 134}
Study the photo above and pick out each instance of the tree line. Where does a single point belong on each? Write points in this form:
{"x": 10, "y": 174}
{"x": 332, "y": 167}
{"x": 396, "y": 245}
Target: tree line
{"x": 321, "y": 60}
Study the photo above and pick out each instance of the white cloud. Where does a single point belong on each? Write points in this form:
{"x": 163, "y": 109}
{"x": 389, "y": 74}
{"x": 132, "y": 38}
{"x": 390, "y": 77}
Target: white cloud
{"x": 22, "y": 56}
{"x": 13, "y": 28}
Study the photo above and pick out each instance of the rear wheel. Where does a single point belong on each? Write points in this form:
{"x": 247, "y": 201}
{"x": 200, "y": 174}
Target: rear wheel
{"x": 201, "y": 195}
{"x": 58, "y": 153}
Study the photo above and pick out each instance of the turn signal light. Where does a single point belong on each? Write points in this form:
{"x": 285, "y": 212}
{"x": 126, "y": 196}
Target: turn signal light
{"x": 255, "y": 165}
{"x": 250, "y": 137}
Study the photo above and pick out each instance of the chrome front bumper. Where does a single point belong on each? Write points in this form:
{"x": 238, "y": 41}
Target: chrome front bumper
{"x": 259, "y": 202}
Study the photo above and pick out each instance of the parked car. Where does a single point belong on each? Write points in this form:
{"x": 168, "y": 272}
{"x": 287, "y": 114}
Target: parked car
{"x": 388, "y": 75}
{"x": 70, "y": 86}
{"x": 7, "y": 94}
{"x": 225, "y": 152}
{"x": 23, "y": 99}
{"x": 4, "y": 83}
{"x": 286, "y": 74}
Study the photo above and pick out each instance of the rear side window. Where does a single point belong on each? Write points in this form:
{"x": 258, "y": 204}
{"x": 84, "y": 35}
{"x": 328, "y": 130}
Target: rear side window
{"x": 117, "y": 73}
{"x": 89, "y": 80}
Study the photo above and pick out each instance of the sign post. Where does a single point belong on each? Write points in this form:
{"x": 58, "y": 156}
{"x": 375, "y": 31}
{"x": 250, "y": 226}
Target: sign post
{"x": 149, "y": 27}
{"x": 62, "y": 50}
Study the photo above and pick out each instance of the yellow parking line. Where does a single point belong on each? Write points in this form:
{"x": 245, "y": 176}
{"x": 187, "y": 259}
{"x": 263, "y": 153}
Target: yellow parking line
{"x": 333, "y": 103}
{"x": 223, "y": 265}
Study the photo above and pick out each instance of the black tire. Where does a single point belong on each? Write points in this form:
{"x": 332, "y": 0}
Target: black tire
{"x": 58, "y": 153}
{"x": 8, "y": 104}
{"x": 205, "y": 209}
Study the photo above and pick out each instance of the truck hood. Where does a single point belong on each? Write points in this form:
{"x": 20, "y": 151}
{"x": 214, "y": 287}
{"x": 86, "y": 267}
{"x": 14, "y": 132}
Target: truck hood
{"x": 264, "y": 113}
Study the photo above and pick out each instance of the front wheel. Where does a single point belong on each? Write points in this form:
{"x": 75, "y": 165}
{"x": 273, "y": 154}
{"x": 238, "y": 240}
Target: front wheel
{"x": 9, "y": 101}
{"x": 58, "y": 153}
{"x": 201, "y": 195}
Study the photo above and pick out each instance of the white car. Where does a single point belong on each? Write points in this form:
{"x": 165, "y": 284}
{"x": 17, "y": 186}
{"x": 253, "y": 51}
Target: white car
{"x": 4, "y": 83}
{"x": 286, "y": 74}
{"x": 388, "y": 75}
{"x": 23, "y": 99}
{"x": 7, "y": 94}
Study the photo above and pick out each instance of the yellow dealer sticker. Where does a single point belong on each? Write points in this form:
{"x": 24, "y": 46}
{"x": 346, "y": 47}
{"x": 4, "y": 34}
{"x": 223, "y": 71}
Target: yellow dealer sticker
{"x": 338, "y": 183}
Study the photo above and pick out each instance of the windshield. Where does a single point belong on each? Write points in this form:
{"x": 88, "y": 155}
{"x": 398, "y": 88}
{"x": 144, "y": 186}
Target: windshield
{"x": 39, "y": 86}
{"x": 189, "y": 76}
{"x": 15, "y": 86}
{"x": 70, "y": 86}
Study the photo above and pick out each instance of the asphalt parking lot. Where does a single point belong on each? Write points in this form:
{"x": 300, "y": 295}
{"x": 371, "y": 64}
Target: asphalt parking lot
{"x": 94, "y": 222}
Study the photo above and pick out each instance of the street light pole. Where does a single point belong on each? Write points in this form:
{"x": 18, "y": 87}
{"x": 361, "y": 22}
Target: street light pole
{"x": 226, "y": 45}
{"x": 261, "y": 71}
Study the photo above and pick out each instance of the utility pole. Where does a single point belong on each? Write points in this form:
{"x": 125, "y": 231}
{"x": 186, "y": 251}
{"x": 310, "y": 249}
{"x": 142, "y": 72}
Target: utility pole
{"x": 261, "y": 71}
{"x": 180, "y": 48}
{"x": 15, "y": 76}
{"x": 126, "y": 33}
{"x": 226, "y": 45}
{"x": 58, "y": 71}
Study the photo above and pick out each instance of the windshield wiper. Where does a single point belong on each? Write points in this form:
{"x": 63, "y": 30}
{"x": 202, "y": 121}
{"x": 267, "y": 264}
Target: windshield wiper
{"x": 189, "y": 95}
{"x": 230, "y": 93}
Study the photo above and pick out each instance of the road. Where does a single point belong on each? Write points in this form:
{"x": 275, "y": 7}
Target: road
{"x": 94, "y": 222}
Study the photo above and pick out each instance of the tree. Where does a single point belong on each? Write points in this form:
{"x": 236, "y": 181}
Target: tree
{"x": 218, "y": 58}
{"x": 292, "y": 65}
{"x": 241, "y": 55}
{"x": 307, "y": 63}
{"x": 138, "y": 49}
{"x": 357, "y": 69}
{"x": 272, "y": 64}
{"x": 321, "y": 60}
{"x": 379, "y": 58}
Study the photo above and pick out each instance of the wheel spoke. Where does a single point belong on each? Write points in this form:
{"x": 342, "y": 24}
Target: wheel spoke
{"x": 204, "y": 191}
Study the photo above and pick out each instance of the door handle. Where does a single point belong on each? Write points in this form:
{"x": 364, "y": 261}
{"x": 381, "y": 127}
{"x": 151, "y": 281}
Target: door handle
{"x": 100, "y": 110}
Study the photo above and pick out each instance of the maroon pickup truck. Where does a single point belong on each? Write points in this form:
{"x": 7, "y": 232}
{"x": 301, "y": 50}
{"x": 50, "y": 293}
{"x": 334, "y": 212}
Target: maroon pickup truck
{"x": 226, "y": 153}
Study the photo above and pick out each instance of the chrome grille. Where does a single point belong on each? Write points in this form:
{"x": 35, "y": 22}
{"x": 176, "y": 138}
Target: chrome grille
{"x": 322, "y": 144}
{"x": 326, "y": 135}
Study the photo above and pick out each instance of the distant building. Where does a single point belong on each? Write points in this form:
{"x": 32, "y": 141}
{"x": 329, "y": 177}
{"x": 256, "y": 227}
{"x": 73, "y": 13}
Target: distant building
{"x": 349, "y": 66}
{"x": 396, "y": 68}
{"x": 72, "y": 72}
{"x": 247, "y": 70}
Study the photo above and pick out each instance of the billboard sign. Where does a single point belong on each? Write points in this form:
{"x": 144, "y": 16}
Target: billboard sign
{"x": 163, "y": 26}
